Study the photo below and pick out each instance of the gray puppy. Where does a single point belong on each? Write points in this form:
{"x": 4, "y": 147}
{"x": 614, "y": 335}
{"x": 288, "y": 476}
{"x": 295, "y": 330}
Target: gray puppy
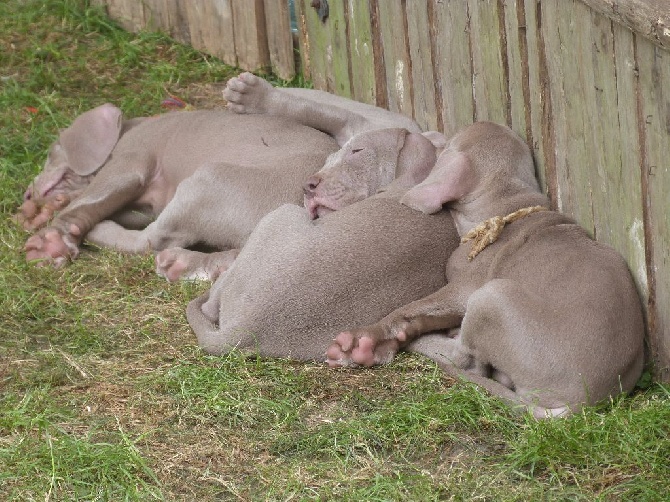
{"x": 548, "y": 318}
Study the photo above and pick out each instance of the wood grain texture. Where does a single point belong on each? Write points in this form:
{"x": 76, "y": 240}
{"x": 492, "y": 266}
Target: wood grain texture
{"x": 517, "y": 75}
{"x": 649, "y": 18}
{"x": 423, "y": 77}
{"x": 279, "y": 38}
{"x": 654, "y": 87}
{"x": 527, "y": 13}
{"x": 251, "y": 44}
{"x": 454, "y": 65}
{"x": 488, "y": 68}
{"x": 359, "y": 33}
{"x": 396, "y": 58}
{"x": 211, "y": 28}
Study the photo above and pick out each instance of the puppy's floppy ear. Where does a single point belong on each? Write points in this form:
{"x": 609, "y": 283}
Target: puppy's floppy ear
{"x": 91, "y": 138}
{"x": 450, "y": 179}
{"x": 417, "y": 157}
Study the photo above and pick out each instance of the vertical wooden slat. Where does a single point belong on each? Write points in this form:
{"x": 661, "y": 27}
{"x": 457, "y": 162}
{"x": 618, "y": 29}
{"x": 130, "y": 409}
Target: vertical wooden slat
{"x": 423, "y": 77}
{"x": 128, "y": 13}
{"x": 337, "y": 55}
{"x": 630, "y": 243}
{"x": 360, "y": 48}
{"x": 250, "y": 35}
{"x": 327, "y": 48}
{"x": 306, "y": 41}
{"x": 168, "y": 16}
{"x": 397, "y": 62}
{"x": 454, "y": 65}
{"x": 527, "y": 14}
{"x": 517, "y": 84}
{"x": 211, "y": 28}
{"x": 279, "y": 38}
{"x": 654, "y": 86}
{"x": 562, "y": 41}
{"x": 615, "y": 155}
{"x": 486, "y": 39}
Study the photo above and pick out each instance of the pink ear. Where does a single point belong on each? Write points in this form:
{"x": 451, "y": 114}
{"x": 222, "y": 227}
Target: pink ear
{"x": 91, "y": 138}
{"x": 450, "y": 179}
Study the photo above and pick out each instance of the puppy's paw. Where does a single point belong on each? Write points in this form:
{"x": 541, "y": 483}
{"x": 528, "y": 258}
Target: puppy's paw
{"x": 362, "y": 347}
{"x": 247, "y": 93}
{"x": 183, "y": 264}
{"x": 52, "y": 246}
{"x": 34, "y": 214}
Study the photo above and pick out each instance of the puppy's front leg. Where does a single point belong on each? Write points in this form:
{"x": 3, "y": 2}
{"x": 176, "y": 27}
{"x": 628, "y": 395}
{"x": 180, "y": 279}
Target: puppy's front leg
{"x": 379, "y": 342}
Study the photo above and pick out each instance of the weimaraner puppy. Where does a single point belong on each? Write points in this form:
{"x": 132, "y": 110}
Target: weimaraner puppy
{"x": 225, "y": 159}
{"x": 377, "y": 146}
{"x": 160, "y": 166}
{"x": 549, "y": 319}
{"x": 297, "y": 282}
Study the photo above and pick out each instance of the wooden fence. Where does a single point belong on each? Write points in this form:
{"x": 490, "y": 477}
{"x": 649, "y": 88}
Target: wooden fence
{"x": 585, "y": 82}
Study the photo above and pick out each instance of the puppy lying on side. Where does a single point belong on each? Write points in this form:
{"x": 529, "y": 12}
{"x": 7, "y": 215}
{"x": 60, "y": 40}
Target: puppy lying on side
{"x": 298, "y": 281}
{"x": 159, "y": 167}
{"x": 377, "y": 146}
{"x": 548, "y": 318}
{"x": 206, "y": 177}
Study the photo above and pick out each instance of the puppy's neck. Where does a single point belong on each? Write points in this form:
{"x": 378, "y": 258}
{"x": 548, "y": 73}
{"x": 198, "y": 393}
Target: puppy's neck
{"x": 469, "y": 213}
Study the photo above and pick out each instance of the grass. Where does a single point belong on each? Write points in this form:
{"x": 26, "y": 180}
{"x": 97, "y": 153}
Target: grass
{"x": 105, "y": 395}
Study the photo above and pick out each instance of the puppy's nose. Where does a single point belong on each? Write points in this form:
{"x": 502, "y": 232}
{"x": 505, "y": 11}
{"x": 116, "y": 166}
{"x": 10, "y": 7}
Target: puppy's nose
{"x": 310, "y": 185}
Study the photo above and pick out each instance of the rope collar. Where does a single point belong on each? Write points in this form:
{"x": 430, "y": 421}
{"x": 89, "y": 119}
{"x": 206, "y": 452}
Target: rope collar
{"x": 487, "y": 232}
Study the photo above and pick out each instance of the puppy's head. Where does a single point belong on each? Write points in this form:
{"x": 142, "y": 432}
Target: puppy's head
{"x": 367, "y": 163}
{"x": 79, "y": 152}
{"x": 481, "y": 158}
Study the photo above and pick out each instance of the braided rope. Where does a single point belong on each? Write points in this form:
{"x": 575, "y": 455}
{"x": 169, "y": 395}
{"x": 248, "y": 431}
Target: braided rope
{"x": 488, "y": 231}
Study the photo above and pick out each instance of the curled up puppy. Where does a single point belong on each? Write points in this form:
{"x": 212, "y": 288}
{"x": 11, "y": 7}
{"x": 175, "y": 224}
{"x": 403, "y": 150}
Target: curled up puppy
{"x": 534, "y": 310}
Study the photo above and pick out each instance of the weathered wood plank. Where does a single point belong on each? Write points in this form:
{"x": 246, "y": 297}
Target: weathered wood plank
{"x": 538, "y": 91}
{"x": 654, "y": 87}
{"x": 211, "y": 27}
{"x": 633, "y": 248}
{"x": 328, "y": 48}
{"x": 251, "y": 43}
{"x": 561, "y": 32}
{"x": 279, "y": 38}
{"x": 649, "y": 18}
{"x": 517, "y": 81}
{"x": 304, "y": 20}
{"x": 615, "y": 149}
{"x": 338, "y": 56}
{"x": 489, "y": 73}
{"x": 454, "y": 65}
{"x": 128, "y": 13}
{"x": 360, "y": 48}
{"x": 398, "y": 65}
{"x": 423, "y": 77}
